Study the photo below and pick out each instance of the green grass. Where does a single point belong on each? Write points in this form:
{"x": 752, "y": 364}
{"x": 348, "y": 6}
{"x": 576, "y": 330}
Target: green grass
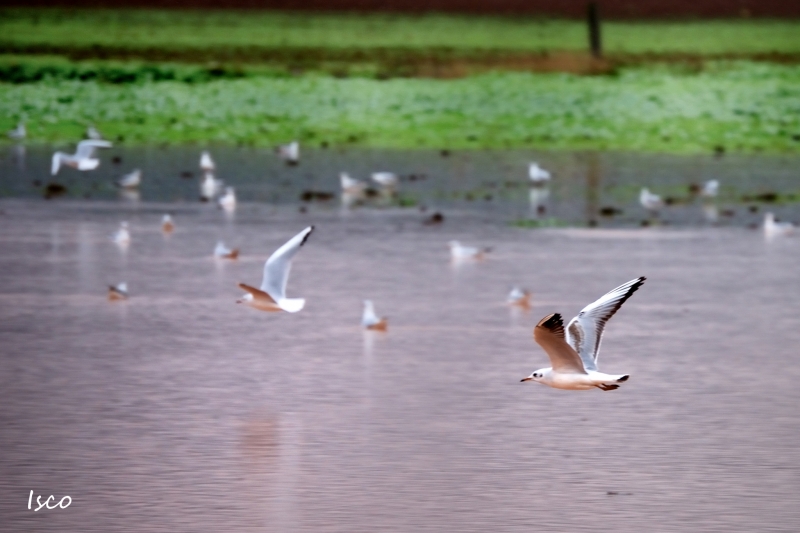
{"x": 741, "y": 106}
{"x": 205, "y": 31}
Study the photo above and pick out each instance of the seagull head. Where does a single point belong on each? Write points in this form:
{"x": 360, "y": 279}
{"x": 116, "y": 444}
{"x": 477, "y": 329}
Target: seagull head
{"x": 538, "y": 375}
{"x": 246, "y": 298}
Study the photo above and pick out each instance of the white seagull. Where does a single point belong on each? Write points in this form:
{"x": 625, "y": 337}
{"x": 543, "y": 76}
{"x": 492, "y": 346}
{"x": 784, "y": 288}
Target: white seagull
{"x": 206, "y": 163}
{"x": 460, "y": 252}
{"x": 167, "y": 225}
{"x": 290, "y": 153}
{"x": 574, "y": 358}
{"x": 228, "y": 200}
{"x": 710, "y": 189}
{"x": 272, "y": 294}
{"x": 82, "y": 159}
{"x": 118, "y": 292}
{"x": 774, "y": 228}
{"x": 122, "y": 236}
{"x": 370, "y": 320}
{"x": 19, "y": 132}
{"x": 93, "y": 133}
{"x": 131, "y": 180}
{"x": 223, "y": 252}
{"x": 209, "y": 187}
{"x": 651, "y": 202}
{"x": 385, "y": 179}
{"x": 350, "y": 185}
{"x": 519, "y": 297}
{"x": 537, "y": 174}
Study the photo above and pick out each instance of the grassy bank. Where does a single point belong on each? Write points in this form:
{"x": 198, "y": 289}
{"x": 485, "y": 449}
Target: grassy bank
{"x": 739, "y": 106}
{"x": 207, "y": 30}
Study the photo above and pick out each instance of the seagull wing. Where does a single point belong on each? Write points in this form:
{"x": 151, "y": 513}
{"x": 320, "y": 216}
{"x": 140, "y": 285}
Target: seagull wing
{"x": 86, "y": 148}
{"x": 585, "y": 331}
{"x": 257, "y": 293}
{"x": 549, "y": 334}
{"x": 276, "y": 269}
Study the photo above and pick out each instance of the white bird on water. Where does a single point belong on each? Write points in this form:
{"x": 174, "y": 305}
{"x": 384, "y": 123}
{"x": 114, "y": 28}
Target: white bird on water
{"x": 223, "y": 252}
{"x": 537, "y": 174}
{"x": 228, "y": 200}
{"x": 272, "y": 294}
{"x": 385, "y": 179}
{"x": 118, "y": 292}
{"x": 19, "y": 132}
{"x": 519, "y": 297}
{"x": 206, "y": 163}
{"x": 710, "y": 189}
{"x": 122, "y": 236}
{"x": 461, "y": 252}
{"x": 773, "y": 228}
{"x": 651, "y": 202}
{"x": 290, "y": 153}
{"x": 167, "y": 225}
{"x": 131, "y": 180}
{"x": 209, "y": 187}
{"x": 93, "y": 133}
{"x": 82, "y": 159}
{"x": 351, "y": 185}
{"x": 370, "y": 320}
{"x": 573, "y": 358}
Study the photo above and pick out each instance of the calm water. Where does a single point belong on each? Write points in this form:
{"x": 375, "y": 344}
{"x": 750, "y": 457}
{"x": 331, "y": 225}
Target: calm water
{"x": 179, "y": 410}
{"x": 588, "y": 188}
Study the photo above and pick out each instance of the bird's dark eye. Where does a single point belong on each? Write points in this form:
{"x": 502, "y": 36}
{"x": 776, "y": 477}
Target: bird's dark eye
{"x": 535, "y": 375}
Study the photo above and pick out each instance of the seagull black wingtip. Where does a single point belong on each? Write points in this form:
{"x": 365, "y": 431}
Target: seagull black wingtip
{"x": 310, "y": 231}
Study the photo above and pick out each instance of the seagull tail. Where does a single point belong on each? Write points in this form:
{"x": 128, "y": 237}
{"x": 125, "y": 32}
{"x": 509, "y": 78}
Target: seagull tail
{"x": 292, "y": 305}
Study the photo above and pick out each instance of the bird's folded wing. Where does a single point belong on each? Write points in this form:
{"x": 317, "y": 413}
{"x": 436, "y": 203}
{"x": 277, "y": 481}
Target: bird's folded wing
{"x": 257, "y": 294}
{"x": 585, "y": 331}
{"x": 549, "y": 334}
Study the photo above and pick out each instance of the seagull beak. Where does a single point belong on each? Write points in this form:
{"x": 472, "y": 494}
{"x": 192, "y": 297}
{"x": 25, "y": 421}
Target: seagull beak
{"x": 526, "y": 379}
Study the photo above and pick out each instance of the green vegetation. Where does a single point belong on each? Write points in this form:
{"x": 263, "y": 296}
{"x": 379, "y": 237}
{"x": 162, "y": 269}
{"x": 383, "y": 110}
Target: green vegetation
{"x": 206, "y": 30}
{"x": 264, "y": 77}
{"x": 736, "y": 106}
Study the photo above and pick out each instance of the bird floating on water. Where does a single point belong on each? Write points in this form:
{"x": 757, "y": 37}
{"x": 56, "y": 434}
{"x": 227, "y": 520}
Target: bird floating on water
{"x": 223, "y": 252}
{"x": 19, "y": 132}
{"x": 118, "y": 292}
{"x": 519, "y": 297}
{"x": 93, "y": 133}
{"x": 710, "y": 189}
{"x": 773, "y": 228}
{"x": 461, "y": 252}
{"x": 132, "y": 180}
{"x": 206, "y": 163}
{"x": 228, "y": 200}
{"x": 290, "y": 153}
{"x": 272, "y": 294}
{"x": 573, "y": 358}
{"x": 167, "y": 225}
{"x": 385, "y": 179}
{"x": 351, "y": 185}
{"x": 209, "y": 187}
{"x": 651, "y": 202}
{"x": 369, "y": 320}
{"x": 537, "y": 174}
{"x": 122, "y": 236}
{"x": 82, "y": 159}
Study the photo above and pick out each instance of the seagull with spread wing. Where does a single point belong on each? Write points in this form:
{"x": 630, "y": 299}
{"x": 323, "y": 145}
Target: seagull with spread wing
{"x": 82, "y": 159}
{"x": 272, "y": 294}
{"x": 573, "y": 352}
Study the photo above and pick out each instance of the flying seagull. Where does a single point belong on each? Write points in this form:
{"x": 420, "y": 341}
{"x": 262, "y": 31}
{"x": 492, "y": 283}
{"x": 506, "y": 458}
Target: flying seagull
{"x": 82, "y": 159}
{"x": 573, "y": 353}
{"x": 272, "y": 294}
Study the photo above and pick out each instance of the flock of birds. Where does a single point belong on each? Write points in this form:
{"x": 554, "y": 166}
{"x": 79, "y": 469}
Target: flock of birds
{"x": 573, "y": 350}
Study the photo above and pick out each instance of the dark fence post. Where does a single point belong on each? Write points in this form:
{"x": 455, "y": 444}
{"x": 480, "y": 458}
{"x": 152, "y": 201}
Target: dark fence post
{"x": 594, "y": 30}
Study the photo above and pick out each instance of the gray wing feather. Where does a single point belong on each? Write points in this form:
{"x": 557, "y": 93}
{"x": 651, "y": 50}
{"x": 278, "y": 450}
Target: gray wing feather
{"x": 276, "y": 269}
{"x": 86, "y": 148}
{"x": 585, "y": 331}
